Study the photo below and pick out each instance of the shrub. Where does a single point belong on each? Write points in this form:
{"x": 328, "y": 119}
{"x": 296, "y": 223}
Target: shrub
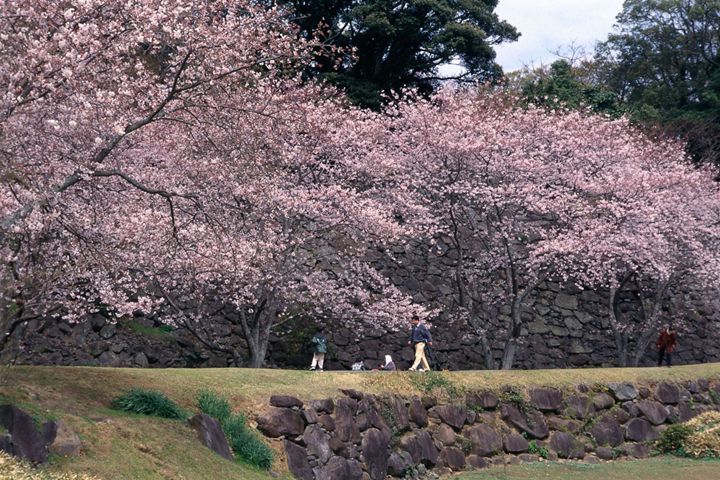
{"x": 243, "y": 441}
{"x": 148, "y": 402}
{"x": 700, "y": 437}
{"x": 672, "y": 440}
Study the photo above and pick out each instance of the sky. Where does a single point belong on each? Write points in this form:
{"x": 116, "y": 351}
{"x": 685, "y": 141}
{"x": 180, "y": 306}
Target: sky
{"x": 546, "y": 25}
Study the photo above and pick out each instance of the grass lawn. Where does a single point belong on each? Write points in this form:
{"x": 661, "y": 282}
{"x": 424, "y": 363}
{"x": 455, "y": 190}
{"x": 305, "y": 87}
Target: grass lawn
{"x": 123, "y": 446}
{"x": 658, "y": 468}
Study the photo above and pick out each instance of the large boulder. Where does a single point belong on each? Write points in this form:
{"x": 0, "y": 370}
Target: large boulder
{"x": 421, "y": 448}
{"x": 667, "y": 393}
{"x": 375, "y": 451}
{"x": 398, "y": 413}
{"x": 640, "y": 430}
{"x": 318, "y": 442}
{"x": 323, "y": 406}
{"x": 602, "y": 401}
{"x": 515, "y": 443}
{"x": 623, "y": 391}
{"x": 278, "y": 422}
{"x": 327, "y": 422}
{"x": 453, "y": 458}
{"x": 655, "y": 412}
{"x": 444, "y": 434}
{"x": 578, "y": 406}
{"x": 417, "y": 413}
{"x": 297, "y": 461}
{"x": 63, "y": 439}
{"x": 532, "y": 425}
{"x": 485, "y": 440}
{"x": 546, "y": 399}
{"x": 453, "y": 415}
{"x": 607, "y": 431}
{"x": 345, "y": 426}
{"x": 485, "y": 400}
{"x": 27, "y": 442}
{"x": 339, "y": 468}
{"x": 211, "y": 434}
{"x": 566, "y": 445}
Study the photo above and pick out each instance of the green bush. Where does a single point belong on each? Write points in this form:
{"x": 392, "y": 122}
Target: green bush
{"x": 672, "y": 439}
{"x": 245, "y": 443}
{"x": 148, "y": 402}
{"x": 534, "y": 449}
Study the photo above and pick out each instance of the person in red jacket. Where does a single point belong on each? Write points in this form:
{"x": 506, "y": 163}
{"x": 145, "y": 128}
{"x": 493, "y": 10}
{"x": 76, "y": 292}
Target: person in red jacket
{"x": 666, "y": 343}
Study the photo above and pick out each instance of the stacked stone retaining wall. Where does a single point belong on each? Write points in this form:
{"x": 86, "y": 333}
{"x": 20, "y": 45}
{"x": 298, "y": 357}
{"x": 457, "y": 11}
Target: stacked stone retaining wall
{"x": 368, "y": 437}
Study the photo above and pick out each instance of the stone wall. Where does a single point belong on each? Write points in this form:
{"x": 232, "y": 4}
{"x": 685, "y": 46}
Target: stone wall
{"x": 564, "y": 327}
{"x": 360, "y": 436}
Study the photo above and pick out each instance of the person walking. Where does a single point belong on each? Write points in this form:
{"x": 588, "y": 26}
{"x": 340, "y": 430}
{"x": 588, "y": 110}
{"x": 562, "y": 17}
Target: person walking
{"x": 666, "y": 343}
{"x": 320, "y": 345}
{"x": 419, "y": 338}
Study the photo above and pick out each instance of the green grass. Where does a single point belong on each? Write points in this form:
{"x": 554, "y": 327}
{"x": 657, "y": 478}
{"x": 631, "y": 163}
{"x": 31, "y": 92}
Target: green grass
{"x": 658, "y": 468}
{"x": 118, "y": 445}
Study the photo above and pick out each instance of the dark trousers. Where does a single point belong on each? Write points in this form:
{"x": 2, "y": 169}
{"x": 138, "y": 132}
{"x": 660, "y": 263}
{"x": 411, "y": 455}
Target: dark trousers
{"x": 668, "y": 357}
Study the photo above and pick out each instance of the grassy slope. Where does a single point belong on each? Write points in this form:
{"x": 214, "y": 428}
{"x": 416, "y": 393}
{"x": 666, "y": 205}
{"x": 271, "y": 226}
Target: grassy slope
{"x": 125, "y": 446}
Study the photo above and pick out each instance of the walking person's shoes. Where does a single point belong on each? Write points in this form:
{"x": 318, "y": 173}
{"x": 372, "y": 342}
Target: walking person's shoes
{"x": 411, "y": 369}
{"x": 312, "y": 368}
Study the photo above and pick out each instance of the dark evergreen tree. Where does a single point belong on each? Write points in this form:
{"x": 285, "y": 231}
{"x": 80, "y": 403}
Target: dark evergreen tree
{"x": 663, "y": 61}
{"x": 393, "y": 44}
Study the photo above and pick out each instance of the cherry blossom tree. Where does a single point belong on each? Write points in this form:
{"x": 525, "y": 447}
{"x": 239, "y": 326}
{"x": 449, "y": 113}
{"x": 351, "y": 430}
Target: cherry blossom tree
{"x": 167, "y": 152}
{"x": 522, "y": 195}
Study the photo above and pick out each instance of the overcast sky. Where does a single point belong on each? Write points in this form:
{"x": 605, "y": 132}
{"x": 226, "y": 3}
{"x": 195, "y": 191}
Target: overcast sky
{"x": 546, "y": 25}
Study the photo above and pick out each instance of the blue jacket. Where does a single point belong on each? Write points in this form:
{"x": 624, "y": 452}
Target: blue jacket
{"x": 419, "y": 334}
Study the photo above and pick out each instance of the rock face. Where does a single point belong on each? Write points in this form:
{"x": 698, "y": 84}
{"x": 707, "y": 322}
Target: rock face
{"x": 285, "y": 401}
{"x": 210, "y": 434}
{"x": 24, "y": 439}
{"x": 369, "y": 437}
{"x": 667, "y": 393}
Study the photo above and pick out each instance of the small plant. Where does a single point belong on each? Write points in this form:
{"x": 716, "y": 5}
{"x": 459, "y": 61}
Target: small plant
{"x": 242, "y": 440}
{"x": 540, "y": 451}
{"x": 715, "y": 397}
{"x": 672, "y": 440}
{"x": 464, "y": 444}
{"x": 514, "y": 397}
{"x": 148, "y": 402}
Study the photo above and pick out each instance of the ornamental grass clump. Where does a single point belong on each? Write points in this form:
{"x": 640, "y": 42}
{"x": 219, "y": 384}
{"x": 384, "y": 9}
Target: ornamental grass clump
{"x": 148, "y": 402}
{"x": 245, "y": 443}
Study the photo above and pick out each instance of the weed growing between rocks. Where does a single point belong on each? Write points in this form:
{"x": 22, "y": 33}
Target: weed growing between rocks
{"x": 534, "y": 449}
{"x": 672, "y": 440}
{"x": 148, "y": 402}
{"x": 246, "y": 445}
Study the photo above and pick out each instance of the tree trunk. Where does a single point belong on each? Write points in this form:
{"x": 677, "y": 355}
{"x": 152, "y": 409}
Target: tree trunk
{"x": 511, "y": 344}
{"x": 620, "y": 337}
